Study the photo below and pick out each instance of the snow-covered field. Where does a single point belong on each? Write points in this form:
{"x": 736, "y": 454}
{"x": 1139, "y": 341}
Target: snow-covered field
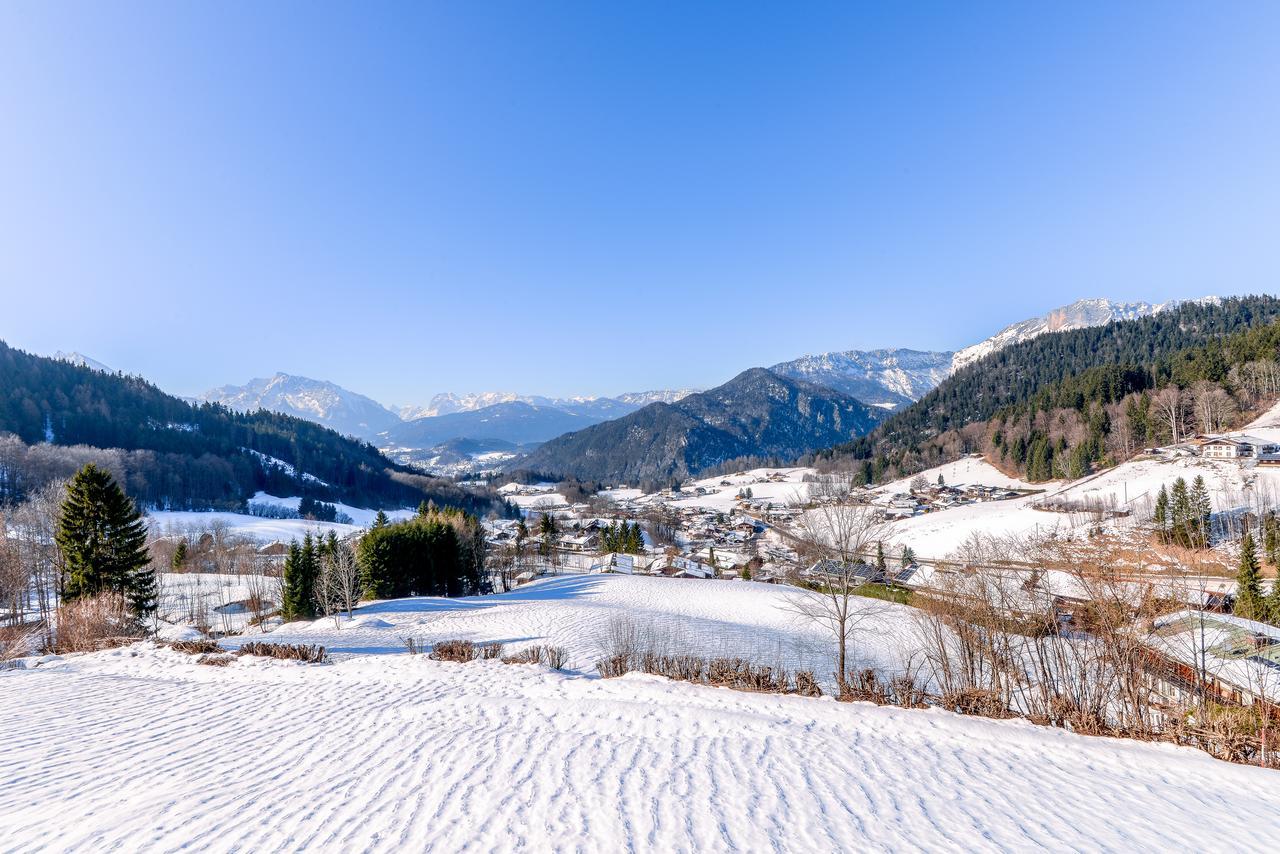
{"x": 140, "y": 749}
{"x": 266, "y": 530}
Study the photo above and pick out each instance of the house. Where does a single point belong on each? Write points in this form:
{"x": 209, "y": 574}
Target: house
{"x": 1237, "y": 447}
{"x": 834, "y": 569}
{"x": 1235, "y": 660}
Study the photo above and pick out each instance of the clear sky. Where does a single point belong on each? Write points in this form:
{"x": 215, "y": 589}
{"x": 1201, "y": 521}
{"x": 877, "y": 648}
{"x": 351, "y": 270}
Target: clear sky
{"x": 602, "y": 197}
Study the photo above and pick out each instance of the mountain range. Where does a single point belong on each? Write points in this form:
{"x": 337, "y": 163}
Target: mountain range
{"x": 886, "y": 379}
{"x": 758, "y": 413}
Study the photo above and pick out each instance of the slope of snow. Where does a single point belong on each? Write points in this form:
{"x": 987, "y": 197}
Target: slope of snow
{"x": 267, "y": 530}
{"x": 140, "y": 749}
{"x": 968, "y": 470}
{"x": 887, "y": 378}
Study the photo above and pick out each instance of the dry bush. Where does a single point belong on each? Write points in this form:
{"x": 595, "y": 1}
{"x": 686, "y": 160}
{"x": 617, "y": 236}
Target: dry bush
{"x": 216, "y": 660}
{"x": 18, "y": 641}
{"x": 556, "y": 656}
{"x": 490, "y": 651}
{"x": 98, "y": 622}
{"x": 613, "y": 666}
{"x": 975, "y": 701}
{"x": 529, "y": 655}
{"x": 196, "y": 647}
{"x": 806, "y": 684}
{"x": 414, "y": 646}
{"x": 454, "y": 650}
{"x": 865, "y": 685}
{"x": 310, "y": 653}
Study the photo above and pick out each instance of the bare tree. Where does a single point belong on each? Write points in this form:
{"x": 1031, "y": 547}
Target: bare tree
{"x": 1214, "y": 408}
{"x": 1171, "y": 405}
{"x": 339, "y": 585}
{"x": 842, "y": 535}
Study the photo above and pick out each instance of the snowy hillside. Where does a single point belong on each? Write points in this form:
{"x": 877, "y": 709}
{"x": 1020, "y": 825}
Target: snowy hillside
{"x": 888, "y": 378}
{"x": 384, "y": 751}
{"x": 315, "y": 400}
{"x": 1079, "y": 315}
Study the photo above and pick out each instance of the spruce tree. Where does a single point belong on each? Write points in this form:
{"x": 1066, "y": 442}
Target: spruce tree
{"x": 1160, "y": 516}
{"x": 381, "y": 520}
{"x": 179, "y": 559}
{"x": 300, "y": 570}
{"x": 1201, "y": 512}
{"x": 1272, "y": 603}
{"x": 1180, "y": 512}
{"x": 103, "y": 541}
{"x": 1249, "y": 603}
{"x": 880, "y": 563}
{"x": 1271, "y": 538}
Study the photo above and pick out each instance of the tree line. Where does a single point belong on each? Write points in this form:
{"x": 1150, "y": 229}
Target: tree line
{"x": 1067, "y": 403}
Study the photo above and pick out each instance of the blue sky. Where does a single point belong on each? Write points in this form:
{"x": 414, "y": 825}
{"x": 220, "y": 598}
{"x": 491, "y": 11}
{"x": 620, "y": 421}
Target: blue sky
{"x": 600, "y": 197}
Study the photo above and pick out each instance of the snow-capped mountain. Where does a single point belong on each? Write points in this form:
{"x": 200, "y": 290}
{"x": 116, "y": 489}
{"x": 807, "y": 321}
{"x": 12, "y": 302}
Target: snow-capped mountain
{"x": 83, "y": 361}
{"x": 1079, "y": 315}
{"x": 448, "y": 403}
{"x": 315, "y": 400}
{"x": 644, "y": 398}
{"x": 884, "y": 378}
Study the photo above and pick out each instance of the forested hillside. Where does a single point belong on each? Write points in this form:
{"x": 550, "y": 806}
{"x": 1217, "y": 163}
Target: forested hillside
{"x": 1065, "y": 403}
{"x": 756, "y": 414}
{"x": 169, "y": 453}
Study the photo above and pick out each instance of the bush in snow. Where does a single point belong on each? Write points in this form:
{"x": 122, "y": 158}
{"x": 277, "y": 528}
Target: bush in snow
{"x": 196, "y": 647}
{"x": 312, "y": 654}
{"x": 95, "y": 622}
{"x": 454, "y": 650}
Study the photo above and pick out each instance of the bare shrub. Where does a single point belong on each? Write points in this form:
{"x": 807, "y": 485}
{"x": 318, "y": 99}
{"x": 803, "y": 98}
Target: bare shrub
{"x": 98, "y": 622}
{"x": 215, "y": 660}
{"x": 310, "y": 653}
{"x": 975, "y": 701}
{"x": 17, "y": 641}
{"x": 454, "y": 650}
{"x": 196, "y": 647}
{"x": 529, "y": 655}
{"x": 490, "y": 651}
{"x": 613, "y": 666}
{"x": 556, "y": 656}
{"x": 806, "y": 684}
{"x": 414, "y": 646}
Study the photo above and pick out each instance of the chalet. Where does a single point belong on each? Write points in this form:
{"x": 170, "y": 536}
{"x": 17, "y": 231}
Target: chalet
{"x": 834, "y": 569}
{"x": 1237, "y": 661}
{"x": 1237, "y": 447}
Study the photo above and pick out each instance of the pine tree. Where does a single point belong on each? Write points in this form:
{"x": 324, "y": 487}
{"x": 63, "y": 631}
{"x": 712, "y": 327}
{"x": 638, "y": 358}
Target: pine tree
{"x": 908, "y": 556}
{"x": 300, "y": 570}
{"x": 381, "y": 520}
{"x": 1272, "y": 603}
{"x": 103, "y": 541}
{"x": 1249, "y": 603}
{"x": 941, "y": 481}
{"x": 179, "y": 559}
{"x": 1271, "y": 538}
{"x": 1201, "y": 512}
{"x": 1180, "y": 513}
{"x": 1160, "y": 516}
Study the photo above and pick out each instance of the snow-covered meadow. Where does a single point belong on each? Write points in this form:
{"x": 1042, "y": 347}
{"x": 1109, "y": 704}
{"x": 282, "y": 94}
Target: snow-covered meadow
{"x": 141, "y": 749}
